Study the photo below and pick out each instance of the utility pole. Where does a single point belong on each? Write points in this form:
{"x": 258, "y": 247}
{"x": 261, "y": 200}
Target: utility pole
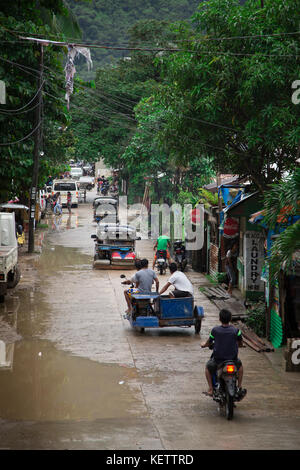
{"x": 36, "y": 153}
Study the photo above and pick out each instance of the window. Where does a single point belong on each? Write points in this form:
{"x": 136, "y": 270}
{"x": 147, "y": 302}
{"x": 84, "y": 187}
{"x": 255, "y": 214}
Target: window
{"x": 65, "y": 187}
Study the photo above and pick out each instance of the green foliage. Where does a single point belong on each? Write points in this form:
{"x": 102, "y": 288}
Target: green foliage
{"x": 221, "y": 277}
{"x": 207, "y": 198}
{"x": 109, "y": 23}
{"x": 283, "y": 200}
{"x": 256, "y": 318}
{"x": 281, "y": 203}
{"x": 16, "y": 161}
{"x": 231, "y": 99}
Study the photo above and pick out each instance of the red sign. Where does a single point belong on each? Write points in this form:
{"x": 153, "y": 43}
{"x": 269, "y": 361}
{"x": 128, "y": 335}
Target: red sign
{"x": 195, "y": 216}
{"x": 231, "y": 228}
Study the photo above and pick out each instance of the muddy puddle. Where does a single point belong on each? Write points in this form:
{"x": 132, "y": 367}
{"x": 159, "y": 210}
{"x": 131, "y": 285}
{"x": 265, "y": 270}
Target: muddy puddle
{"x": 61, "y": 356}
{"x": 39, "y": 383}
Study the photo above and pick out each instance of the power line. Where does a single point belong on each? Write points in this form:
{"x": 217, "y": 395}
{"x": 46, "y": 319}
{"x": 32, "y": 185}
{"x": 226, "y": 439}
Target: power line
{"x": 160, "y": 49}
{"x": 22, "y": 67}
{"x": 204, "y": 38}
{"x": 13, "y": 111}
{"x": 20, "y": 112}
{"x": 202, "y": 121}
{"x": 138, "y": 131}
{"x": 23, "y": 138}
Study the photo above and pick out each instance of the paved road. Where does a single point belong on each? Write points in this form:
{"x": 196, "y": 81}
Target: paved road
{"x": 81, "y": 378}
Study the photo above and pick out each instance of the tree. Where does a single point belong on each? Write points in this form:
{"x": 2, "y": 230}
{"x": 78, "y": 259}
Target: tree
{"x": 108, "y": 23}
{"x": 281, "y": 205}
{"x": 19, "y": 69}
{"x": 109, "y": 119}
{"x": 229, "y": 93}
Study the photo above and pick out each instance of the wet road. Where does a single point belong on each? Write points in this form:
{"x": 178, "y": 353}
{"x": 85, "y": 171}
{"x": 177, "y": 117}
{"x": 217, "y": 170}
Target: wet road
{"x": 74, "y": 375}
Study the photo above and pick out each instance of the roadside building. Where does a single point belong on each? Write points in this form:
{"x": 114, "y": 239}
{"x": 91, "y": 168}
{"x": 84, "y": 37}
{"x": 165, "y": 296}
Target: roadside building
{"x": 282, "y": 295}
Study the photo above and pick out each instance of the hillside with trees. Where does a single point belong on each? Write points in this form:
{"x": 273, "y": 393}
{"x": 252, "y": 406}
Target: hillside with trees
{"x": 108, "y": 23}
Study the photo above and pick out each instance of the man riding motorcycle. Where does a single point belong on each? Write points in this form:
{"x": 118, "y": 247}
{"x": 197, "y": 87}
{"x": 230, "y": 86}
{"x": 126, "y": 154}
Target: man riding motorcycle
{"x": 162, "y": 244}
{"x": 226, "y": 339}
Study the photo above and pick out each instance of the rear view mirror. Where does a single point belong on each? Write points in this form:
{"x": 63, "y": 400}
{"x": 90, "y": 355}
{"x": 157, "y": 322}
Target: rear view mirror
{"x": 93, "y": 236}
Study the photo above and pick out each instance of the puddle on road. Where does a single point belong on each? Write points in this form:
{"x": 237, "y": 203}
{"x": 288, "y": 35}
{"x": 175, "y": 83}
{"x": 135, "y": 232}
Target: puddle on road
{"x": 56, "y": 258}
{"x": 39, "y": 383}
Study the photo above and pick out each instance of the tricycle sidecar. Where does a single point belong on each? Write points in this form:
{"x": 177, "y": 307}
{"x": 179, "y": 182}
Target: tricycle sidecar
{"x": 155, "y": 311}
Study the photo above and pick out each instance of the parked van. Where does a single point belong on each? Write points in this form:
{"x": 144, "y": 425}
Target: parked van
{"x": 63, "y": 186}
{"x": 76, "y": 173}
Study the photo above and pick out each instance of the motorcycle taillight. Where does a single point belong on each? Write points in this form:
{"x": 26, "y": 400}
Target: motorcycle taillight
{"x": 230, "y": 369}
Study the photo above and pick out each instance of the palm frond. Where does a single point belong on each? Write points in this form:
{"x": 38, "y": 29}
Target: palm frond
{"x": 283, "y": 249}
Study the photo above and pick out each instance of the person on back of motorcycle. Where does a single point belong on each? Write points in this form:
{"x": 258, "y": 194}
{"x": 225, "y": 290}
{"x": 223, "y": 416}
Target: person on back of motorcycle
{"x": 183, "y": 287}
{"x": 226, "y": 339}
{"x": 162, "y": 244}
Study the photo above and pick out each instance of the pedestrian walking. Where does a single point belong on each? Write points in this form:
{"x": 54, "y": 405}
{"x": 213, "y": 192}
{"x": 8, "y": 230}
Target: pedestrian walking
{"x": 69, "y": 202}
{"x": 57, "y": 207}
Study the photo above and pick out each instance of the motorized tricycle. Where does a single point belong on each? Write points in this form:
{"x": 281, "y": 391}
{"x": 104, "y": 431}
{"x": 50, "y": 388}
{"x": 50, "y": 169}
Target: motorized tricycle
{"x": 105, "y": 207}
{"x": 156, "y": 311}
{"x": 114, "y": 246}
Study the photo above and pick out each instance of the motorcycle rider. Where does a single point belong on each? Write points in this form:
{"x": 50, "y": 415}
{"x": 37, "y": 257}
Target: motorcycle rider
{"x": 226, "y": 339}
{"x": 162, "y": 244}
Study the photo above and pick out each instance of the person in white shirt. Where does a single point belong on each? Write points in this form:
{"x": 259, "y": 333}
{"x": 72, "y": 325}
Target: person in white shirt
{"x": 183, "y": 287}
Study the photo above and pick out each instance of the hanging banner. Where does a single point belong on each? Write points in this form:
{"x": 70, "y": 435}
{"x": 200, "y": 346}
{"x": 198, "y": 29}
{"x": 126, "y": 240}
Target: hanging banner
{"x": 254, "y": 260}
{"x": 231, "y": 228}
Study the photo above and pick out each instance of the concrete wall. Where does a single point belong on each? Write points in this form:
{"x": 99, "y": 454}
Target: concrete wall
{"x": 102, "y": 169}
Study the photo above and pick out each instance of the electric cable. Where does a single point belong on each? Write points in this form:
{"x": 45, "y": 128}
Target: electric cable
{"x": 8, "y": 111}
{"x": 205, "y": 37}
{"x": 23, "y": 138}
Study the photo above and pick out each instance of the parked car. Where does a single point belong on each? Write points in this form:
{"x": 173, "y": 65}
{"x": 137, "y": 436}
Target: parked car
{"x": 63, "y": 186}
{"x": 9, "y": 269}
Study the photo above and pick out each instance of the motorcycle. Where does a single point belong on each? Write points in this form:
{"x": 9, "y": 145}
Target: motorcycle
{"x": 161, "y": 262}
{"x": 104, "y": 189}
{"x": 179, "y": 254}
{"x": 225, "y": 389}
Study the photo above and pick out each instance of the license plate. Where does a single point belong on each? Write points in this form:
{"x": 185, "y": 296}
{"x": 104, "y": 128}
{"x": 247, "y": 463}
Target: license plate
{"x": 161, "y": 260}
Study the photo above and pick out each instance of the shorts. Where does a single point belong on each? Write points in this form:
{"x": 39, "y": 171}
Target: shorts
{"x": 167, "y": 254}
{"x": 231, "y": 274}
{"x": 131, "y": 291}
{"x": 181, "y": 293}
{"x": 212, "y": 365}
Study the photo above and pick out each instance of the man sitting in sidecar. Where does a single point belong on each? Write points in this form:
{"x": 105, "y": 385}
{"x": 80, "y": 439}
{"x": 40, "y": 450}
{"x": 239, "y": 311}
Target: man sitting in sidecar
{"x": 183, "y": 287}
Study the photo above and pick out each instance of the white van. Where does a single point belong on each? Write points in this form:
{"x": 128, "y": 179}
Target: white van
{"x": 63, "y": 186}
{"x": 76, "y": 173}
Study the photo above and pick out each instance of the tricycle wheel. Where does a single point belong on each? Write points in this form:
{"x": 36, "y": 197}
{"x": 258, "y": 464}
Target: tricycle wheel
{"x": 198, "y": 326}
{"x": 142, "y": 330}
